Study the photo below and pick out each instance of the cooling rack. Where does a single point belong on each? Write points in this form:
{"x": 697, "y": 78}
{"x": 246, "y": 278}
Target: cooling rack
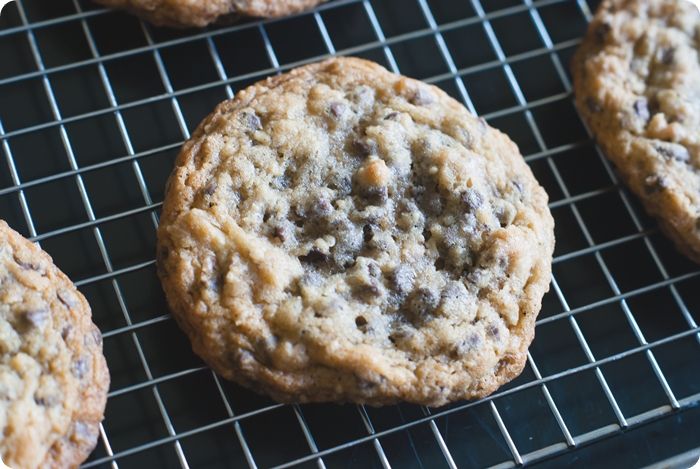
{"x": 93, "y": 108}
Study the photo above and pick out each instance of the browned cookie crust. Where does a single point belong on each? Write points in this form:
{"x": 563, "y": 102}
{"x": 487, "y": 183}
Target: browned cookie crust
{"x": 187, "y": 13}
{"x": 637, "y": 84}
{"x": 341, "y": 233}
{"x": 53, "y": 376}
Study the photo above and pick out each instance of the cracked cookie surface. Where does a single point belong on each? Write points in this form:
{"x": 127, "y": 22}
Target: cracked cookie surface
{"x": 342, "y": 233}
{"x": 637, "y": 84}
{"x": 53, "y": 376}
{"x": 199, "y": 13}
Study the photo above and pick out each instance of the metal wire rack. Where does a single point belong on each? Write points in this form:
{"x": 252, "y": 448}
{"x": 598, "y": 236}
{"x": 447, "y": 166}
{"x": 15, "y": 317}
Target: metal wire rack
{"x": 93, "y": 108}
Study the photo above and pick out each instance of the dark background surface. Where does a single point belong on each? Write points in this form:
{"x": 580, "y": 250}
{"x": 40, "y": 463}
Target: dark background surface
{"x": 93, "y": 108}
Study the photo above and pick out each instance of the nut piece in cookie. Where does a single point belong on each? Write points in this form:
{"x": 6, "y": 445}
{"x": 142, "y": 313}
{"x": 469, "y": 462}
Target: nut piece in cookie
{"x": 636, "y": 80}
{"x": 371, "y": 241}
{"x": 53, "y": 376}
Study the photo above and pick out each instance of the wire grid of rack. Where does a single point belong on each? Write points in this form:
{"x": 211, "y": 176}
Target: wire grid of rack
{"x": 93, "y": 108}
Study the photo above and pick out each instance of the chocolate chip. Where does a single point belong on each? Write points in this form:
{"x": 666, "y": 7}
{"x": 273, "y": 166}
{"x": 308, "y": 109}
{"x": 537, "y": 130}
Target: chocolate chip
{"x": 27, "y": 265}
{"x": 251, "y": 121}
{"x": 601, "y": 32}
{"x": 314, "y": 257}
{"x": 674, "y": 151}
{"x": 210, "y": 189}
{"x": 402, "y": 331}
{"x": 654, "y": 184}
{"x": 422, "y": 97}
{"x": 471, "y": 199}
{"x": 96, "y": 336}
{"x": 593, "y": 105}
{"x": 668, "y": 55}
{"x": 373, "y": 269}
{"x": 392, "y": 116}
{"x": 67, "y": 298}
{"x": 367, "y": 233}
{"x": 376, "y": 195}
{"x": 360, "y": 321}
{"x": 362, "y": 147}
{"x": 641, "y": 109}
{"x": 421, "y": 305}
{"x": 342, "y": 185}
{"x": 80, "y": 368}
{"x": 65, "y": 332}
{"x": 214, "y": 283}
{"x": 371, "y": 218}
{"x": 369, "y": 289}
{"x": 46, "y": 401}
{"x": 280, "y": 233}
{"x": 492, "y": 330}
{"x": 432, "y": 202}
{"x": 474, "y": 340}
{"x": 467, "y": 345}
{"x": 337, "y": 109}
{"x": 365, "y": 385}
{"x": 281, "y": 182}
{"x": 37, "y": 317}
{"x": 402, "y": 279}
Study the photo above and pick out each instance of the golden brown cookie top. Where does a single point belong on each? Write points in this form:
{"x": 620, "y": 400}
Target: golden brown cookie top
{"x": 344, "y": 233}
{"x": 637, "y": 83}
{"x": 53, "y": 376}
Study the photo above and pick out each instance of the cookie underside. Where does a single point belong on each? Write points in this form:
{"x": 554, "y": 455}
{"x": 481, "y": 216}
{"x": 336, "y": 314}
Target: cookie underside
{"x": 341, "y": 233}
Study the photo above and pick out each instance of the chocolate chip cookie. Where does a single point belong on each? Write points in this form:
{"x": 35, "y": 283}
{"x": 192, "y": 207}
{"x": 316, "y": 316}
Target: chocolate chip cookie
{"x": 637, "y": 84}
{"x": 53, "y": 376}
{"x": 342, "y": 233}
{"x": 199, "y": 13}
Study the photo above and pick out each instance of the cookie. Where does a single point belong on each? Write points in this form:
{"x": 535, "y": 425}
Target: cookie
{"x": 342, "y": 233}
{"x": 53, "y": 377}
{"x": 637, "y": 85}
{"x": 199, "y": 13}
